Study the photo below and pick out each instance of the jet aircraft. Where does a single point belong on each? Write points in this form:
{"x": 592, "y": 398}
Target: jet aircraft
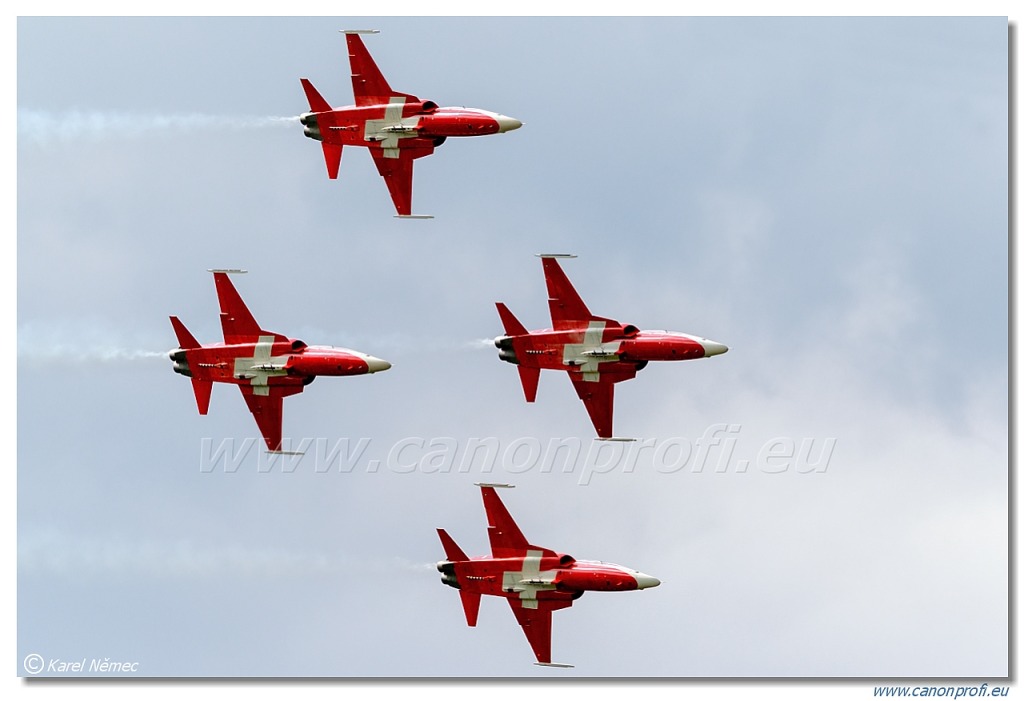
{"x": 534, "y": 580}
{"x": 397, "y": 127}
{"x": 266, "y": 366}
{"x": 596, "y": 352}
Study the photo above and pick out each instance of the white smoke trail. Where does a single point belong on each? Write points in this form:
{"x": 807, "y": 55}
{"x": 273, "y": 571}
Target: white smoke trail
{"x": 481, "y": 344}
{"x": 40, "y": 127}
{"x": 389, "y": 342}
{"x": 77, "y": 556}
{"x": 92, "y": 341}
{"x": 54, "y": 552}
{"x": 80, "y": 342}
{"x": 84, "y": 354}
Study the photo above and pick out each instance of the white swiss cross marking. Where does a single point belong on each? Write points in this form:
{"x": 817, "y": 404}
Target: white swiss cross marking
{"x": 591, "y": 353}
{"x": 529, "y": 580}
{"x": 383, "y": 131}
{"x": 257, "y": 368}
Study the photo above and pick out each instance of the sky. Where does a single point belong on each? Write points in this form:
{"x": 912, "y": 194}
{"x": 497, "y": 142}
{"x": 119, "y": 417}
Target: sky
{"x": 828, "y": 197}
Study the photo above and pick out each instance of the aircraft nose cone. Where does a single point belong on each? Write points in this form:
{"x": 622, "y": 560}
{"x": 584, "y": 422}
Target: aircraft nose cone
{"x": 507, "y": 123}
{"x": 376, "y": 364}
{"x": 713, "y": 348}
{"x": 646, "y": 581}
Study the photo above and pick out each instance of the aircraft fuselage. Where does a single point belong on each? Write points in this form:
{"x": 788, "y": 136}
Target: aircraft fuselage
{"x": 366, "y": 125}
{"x": 601, "y": 345}
{"x": 270, "y": 362}
{"x": 538, "y": 577}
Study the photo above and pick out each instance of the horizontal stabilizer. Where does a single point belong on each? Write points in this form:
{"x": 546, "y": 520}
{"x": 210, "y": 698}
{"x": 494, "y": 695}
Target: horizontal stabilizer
{"x": 316, "y": 101}
{"x": 185, "y": 339}
{"x": 512, "y": 325}
{"x": 530, "y": 377}
{"x": 451, "y": 550}
{"x": 560, "y": 665}
{"x": 332, "y": 157}
{"x": 471, "y": 605}
{"x": 203, "y": 389}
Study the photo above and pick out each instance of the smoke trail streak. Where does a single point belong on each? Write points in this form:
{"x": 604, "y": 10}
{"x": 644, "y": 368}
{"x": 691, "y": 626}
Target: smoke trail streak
{"x": 40, "y": 127}
{"x": 85, "y": 354}
{"x": 54, "y": 552}
{"x": 85, "y": 341}
{"x": 76, "y": 556}
{"x": 389, "y": 342}
{"x": 79, "y": 342}
{"x": 481, "y": 344}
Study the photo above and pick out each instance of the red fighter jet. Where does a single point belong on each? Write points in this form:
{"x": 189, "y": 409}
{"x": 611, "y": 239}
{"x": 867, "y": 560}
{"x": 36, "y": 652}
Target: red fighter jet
{"x": 597, "y": 352}
{"x": 266, "y": 366}
{"x": 535, "y": 581}
{"x": 397, "y": 127}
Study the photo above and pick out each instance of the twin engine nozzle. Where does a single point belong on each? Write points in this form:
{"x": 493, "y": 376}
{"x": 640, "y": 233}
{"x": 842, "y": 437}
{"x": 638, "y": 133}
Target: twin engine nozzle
{"x": 447, "y": 570}
{"x": 180, "y": 363}
{"x": 506, "y": 351}
{"x": 311, "y": 128}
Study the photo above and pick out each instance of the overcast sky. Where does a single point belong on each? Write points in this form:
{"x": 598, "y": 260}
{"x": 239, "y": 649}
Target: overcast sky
{"x": 827, "y": 197}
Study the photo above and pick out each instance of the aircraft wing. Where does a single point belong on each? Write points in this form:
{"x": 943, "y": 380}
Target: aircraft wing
{"x": 536, "y": 624}
{"x": 395, "y": 166}
{"x": 568, "y": 311}
{"x": 267, "y": 409}
{"x": 368, "y": 84}
{"x": 235, "y": 318}
{"x": 506, "y": 538}
{"x": 599, "y": 397}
